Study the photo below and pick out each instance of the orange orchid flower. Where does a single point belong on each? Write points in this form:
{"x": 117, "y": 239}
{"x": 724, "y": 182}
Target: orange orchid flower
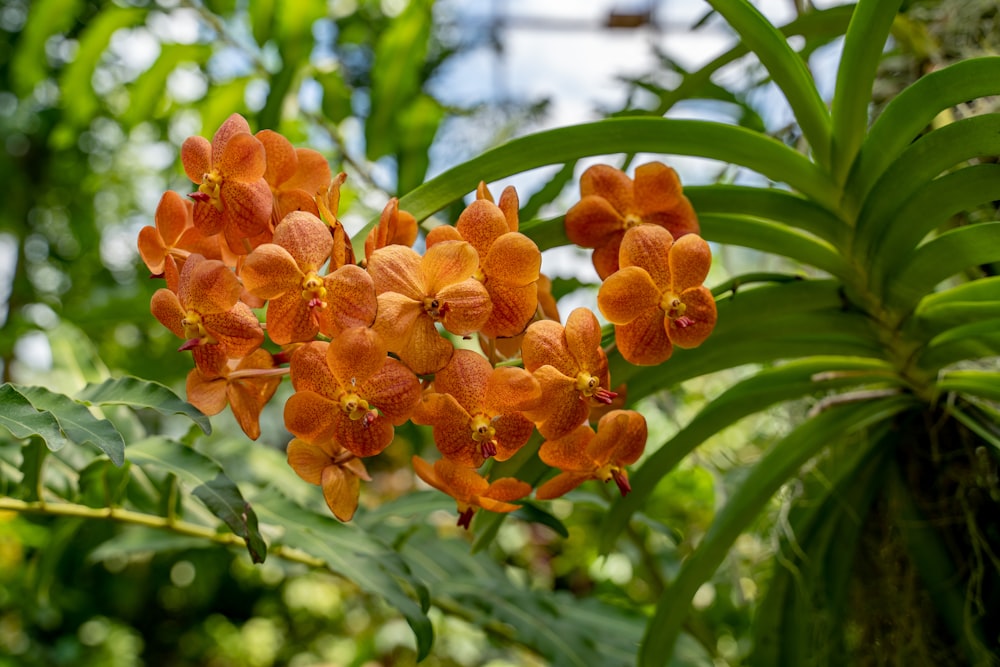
{"x": 164, "y": 247}
{"x": 232, "y": 198}
{"x": 350, "y": 391}
{"x": 328, "y": 203}
{"x": 333, "y": 468}
{"x": 245, "y": 385}
{"x": 475, "y": 409}
{"x": 611, "y": 203}
{"x": 207, "y": 313}
{"x": 395, "y": 227}
{"x": 657, "y": 299}
{"x": 469, "y": 489}
{"x": 286, "y": 272}
{"x": 509, "y": 261}
{"x": 415, "y": 293}
{"x": 583, "y": 454}
{"x": 295, "y": 175}
{"x": 571, "y": 368}
{"x": 510, "y": 348}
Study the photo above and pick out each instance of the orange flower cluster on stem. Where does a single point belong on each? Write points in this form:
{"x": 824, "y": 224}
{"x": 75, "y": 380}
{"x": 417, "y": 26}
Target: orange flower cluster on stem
{"x": 371, "y": 345}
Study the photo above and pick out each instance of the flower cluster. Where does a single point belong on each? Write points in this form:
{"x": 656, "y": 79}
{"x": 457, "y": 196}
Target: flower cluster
{"x": 261, "y": 283}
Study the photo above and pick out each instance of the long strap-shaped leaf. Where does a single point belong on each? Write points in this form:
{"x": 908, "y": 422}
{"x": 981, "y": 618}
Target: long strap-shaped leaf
{"x": 770, "y": 386}
{"x": 911, "y": 111}
{"x": 766, "y": 477}
{"x": 786, "y": 68}
{"x": 727, "y": 143}
{"x": 866, "y": 36}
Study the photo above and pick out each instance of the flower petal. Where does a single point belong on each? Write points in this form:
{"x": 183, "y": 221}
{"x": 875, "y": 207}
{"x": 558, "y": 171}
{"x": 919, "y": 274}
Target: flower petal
{"x": 481, "y": 223}
{"x": 466, "y": 306}
{"x": 289, "y": 320}
{"x": 561, "y": 409}
{"x": 196, "y": 156}
{"x": 308, "y": 460}
{"x": 701, "y": 310}
{"x": 611, "y": 184}
{"x": 362, "y": 437}
{"x": 462, "y": 483}
{"x": 659, "y": 200}
{"x": 243, "y": 159}
{"x": 593, "y": 222}
{"x": 507, "y": 488}
{"x": 690, "y": 260}
{"x": 569, "y": 452}
{"x": 270, "y": 271}
{"x": 396, "y": 268}
{"x": 452, "y": 430}
{"x": 341, "y": 488}
{"x": 620, "y": 439}
{"x": 310, "y": 372}
{"x": 356, "y": 355}
{"x": 648, "y": 247}
{"x": 208, "y": 286}
{"x": 425, "y": 351}
{"x": 350, "y": 300}
{"x": 644, "y": 340}
{"x": 511, "y": 309}
{"x": 306, "y": 238}
{"x": 208, "y": 394}
{"x": 166, "y": 308}
{"x": 427, "y": 473}
{"x": 466, "y": 377}
{"x": 447, "y": 263}
{"x": 626, "y": 294}
{"x": 310, "y": 416}
{"x": 583, "y": 340}
{"x": 281, "y": 159}
{"x": 235, "y": 124}
{"x": 508, "y": 389}
{"x": 513, "y": 259}
{"x": 560, "y": 485}
{"x": 512, "y": 432}
{"x": 237, "y": 330}
{"x": 246, "y": 208}
{"x": 545, "y": 344}
{"x": 442, "y": 233}
{"x": 312, "y": 174}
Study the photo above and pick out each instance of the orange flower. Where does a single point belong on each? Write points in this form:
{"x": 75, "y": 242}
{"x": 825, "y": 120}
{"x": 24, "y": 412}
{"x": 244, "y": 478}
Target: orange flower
{"x": 232, "y": 197}
{"x": 510, "y": 348}
{"x": 582, "y": 454}
{"x": 246, "y": 385}
{"x": 476, "y": 409}
{"x": 350, "y": 391}
{"x": 301, "y": 302}
{"x": 295, "y": 175}
{"x": 207, "y": 313}
{"x": 332, "y": 467}
{"x": 415, "y": 293}
{"x": 571, "y": 368}
{"x": 611, "y": 203}
{"x": 509, "y": 261}
{"x": 469, "y": 489}
{"x": 164, "y": 247}
{"x": 394, "y": 227}
{"x": 328, "y": 203}
{"x": 657, "y": 299}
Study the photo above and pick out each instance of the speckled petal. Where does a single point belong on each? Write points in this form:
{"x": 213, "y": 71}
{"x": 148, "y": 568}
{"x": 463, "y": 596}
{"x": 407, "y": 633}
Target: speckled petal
{"x": 451, "y": 428}
{"x": 310, "y": 372}
{"x": 308, "y": 460}
{"x": 447, "y": 263}
{"x": 620, "y": 439}
{"x": 468, "y": 306}
{"x": 649, "y": 247}
{"x": 506, "y": 489}
{"x": 208, "y": 286}
{"x": 561, "y": 484}
{"x": 206, "y": 394}
{"x": 341, "y": 488}
{"x": 310, "y": 416}
{"x": 289, "y": 320}
{"x": 196, "y": 156}
{"x": 270, "y": 271}
{"x": 396, "y": 268}
{"x": 466, "y": 377}
{"x": 545, "y": 344}
{"x": 356, "y": 355}
{"x": 644, "y": 341}
{"x": 569, "y": 452}
{"x": 481, "y": 223}
{"x": 611, "y": 184}
{"x": 702, "y": 311}
{"x": 627, "y": 294}
{"x": 306, "y": 238}
{"x": 237, "y": 330}
{"x": 510, "y": 389}
{"x": 426, "y": 351}
{"x": 243, "y": 159}
{"x": 690, "y": 260}
{"x": 350, "y": 300}
{"x": 659, "y": 200}
{"x": 281, "y": 159}
{"x": 593, "y": 222}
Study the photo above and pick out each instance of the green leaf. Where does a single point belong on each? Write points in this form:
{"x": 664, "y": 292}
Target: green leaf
{"x": 931, "y": 207}
{"x": 786, "y": 68}
{"x": 970, "y": 341}
{"x": 28, "y": 61}
{"x": 970, "y": 302}
{"x": 137, "y": 393}
{"x": 770, "y": 204}
{"x": 789, "y": 381}
{"x": 20, "y": 417}
{"x": 940, "y": 258}
{"x": 776, "y": 467}
{"x": 148, "y": 89}
{"x": 417, "y": 125}
{"x": 866, "y": 36}
{"x": 920, "y": 164}
{"x": 906, "y": 116}
{"x": 548, "y": 192}
{"x": 75, "y": 82}
{"x": 354, "y": 554}
{"x": 336, "y": 95}
{"x": 985, "y": 384}
{"x": 138, "y": 541}
{"x": 546, "y": 233}
{"x": 625, "y": 135}
{"x": 77, "y": 422}
{"x": 208, "y": 483}
{"x": 772, "y": 237}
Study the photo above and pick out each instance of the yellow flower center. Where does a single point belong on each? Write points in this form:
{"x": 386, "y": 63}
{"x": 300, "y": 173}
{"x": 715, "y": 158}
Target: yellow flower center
{"x": 211, "y": 185}
{"x": 193, "y": 327}
{"x": 435, "y": 308}
{"x": 632, "y": 220}
{"x": 587, "y": 384}
{"x": 672, "y": 306}
{"x": 313, "y": 290}
{"x": 355, "y": 406}
{"x": 482, "y": 428}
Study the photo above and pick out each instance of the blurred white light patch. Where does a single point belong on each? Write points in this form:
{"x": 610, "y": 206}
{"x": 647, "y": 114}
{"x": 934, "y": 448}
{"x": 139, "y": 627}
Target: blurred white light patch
{"x": 8, "y": 265}
{"x": 187, "y": 84}
{"x": 33, "y": 351}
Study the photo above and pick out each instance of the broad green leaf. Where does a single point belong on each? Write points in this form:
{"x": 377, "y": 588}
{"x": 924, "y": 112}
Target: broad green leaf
{"x": 789, "y": 381}
{"x": 46, "y": 18}
{"x": 75, "y": 82}
{"x": 920, "y": 164}
{"x": 985, "y": 384}
{"x": 416, "y": 125}
{"x": 399, "y": 57}
{"x": 102, "y": 484}
{"x": 970, "y": 341}
{"x": 970, "y": 302}
{"x": 776, "y": 467}
{"x": 972, "y": 417}
{"x": 950, "y": 253}
{"x": 546, "y": 233}
{"x": 906, "y": 116}
{"x": 137, "y": 393}
{"x": 739, "y": 282}
{"x": 336, "y": 95}
{"x": 353, "y": 554}
{"x": 139, "y": 541}
{"x": 262, "y": 20}
{"x": 23, "y": 420}
{"x": 625, "y": 135}
{"x": 931, "y": 207}
{"x": 772, "y": 237}
{"x": 147, "y": 92}
{"x": 866, "y": 36}
{"x": 77, "y": 422}
{"x": 786, "y": 68}
{"x": 547, "y": 193}
{"x": 205, "y": 479}
{"x": 219, "y": 103}
{"x": 770, "y": 204}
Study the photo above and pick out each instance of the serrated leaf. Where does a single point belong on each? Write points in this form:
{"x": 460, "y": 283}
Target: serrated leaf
{"x": 138, "y": 393}
{"x": 224, "y": 499}
{"x": 208, "y": 483}
{"x": 764, "y": 479}
{"x": 77, "y": 422}
{"x": 23, "y": 420}
{"x": 355, "y": 555}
